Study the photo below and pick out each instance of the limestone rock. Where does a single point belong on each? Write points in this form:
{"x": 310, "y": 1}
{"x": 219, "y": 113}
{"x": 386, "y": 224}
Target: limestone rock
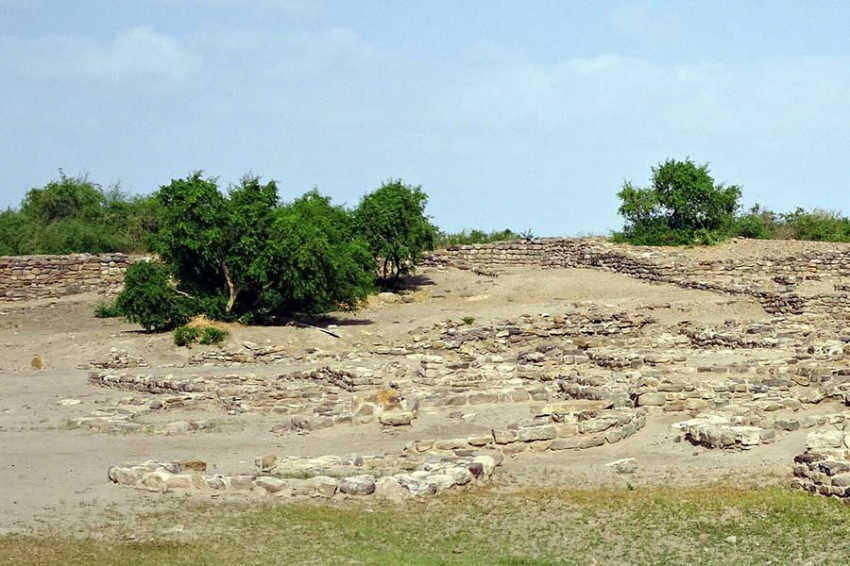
{"x": 357, "y": 485}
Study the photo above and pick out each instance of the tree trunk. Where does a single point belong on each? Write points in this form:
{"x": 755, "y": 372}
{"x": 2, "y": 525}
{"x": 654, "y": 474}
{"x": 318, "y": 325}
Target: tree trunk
{"x": 231, "y": 288}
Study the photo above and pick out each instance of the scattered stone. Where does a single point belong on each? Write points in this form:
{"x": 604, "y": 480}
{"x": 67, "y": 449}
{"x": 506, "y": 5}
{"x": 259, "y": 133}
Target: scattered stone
{"x": 623, "y": 466}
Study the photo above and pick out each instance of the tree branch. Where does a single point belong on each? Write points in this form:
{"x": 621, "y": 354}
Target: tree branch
{"x": 231, "y": 288}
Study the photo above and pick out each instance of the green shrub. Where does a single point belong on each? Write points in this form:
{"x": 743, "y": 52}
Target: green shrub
{"x": 246, "y": 256}
{"x": 683, "y": 205}
{"x": 757, "y": 224}
{"x": 393, "y": 223}
{"x": 150, "y": 299}
{"x": 186, "y": 335}
{"x": 246, "y": 253}
{"x": 206, "y": 335}
{"x": 819, "y": 225}
{"x": 73, "y": 214}
{"x": 468, "y": 237}
{"x": 106, "y": 310}
{"x": 315, "y": 262}
{"x": 213, "y": 336}
{"x": 468, "y": 320}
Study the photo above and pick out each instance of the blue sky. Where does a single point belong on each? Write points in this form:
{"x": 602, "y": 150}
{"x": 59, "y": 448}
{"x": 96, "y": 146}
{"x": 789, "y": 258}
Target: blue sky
{"x": 521, "y": 114}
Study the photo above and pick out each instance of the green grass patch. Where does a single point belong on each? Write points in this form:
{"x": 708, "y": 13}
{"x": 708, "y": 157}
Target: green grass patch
{"x": 532, "y": 527}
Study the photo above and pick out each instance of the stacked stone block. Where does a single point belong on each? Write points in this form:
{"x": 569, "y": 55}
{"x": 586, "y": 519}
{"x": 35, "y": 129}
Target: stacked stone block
{"x": 48, "y": 276}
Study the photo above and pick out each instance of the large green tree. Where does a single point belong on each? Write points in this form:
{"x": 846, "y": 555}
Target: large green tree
{"x": 683, "y": 205}
{"x": 245, "y": 253}
{"x": 393, "y": 222}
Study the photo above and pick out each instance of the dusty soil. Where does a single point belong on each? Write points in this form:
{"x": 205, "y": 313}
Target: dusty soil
{"x": 53, "y": 473}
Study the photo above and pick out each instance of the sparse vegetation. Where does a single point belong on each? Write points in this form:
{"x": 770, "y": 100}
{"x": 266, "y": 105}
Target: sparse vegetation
{"x": 669, "y": 525}
{"x": 204, "y": 335}
{"x": 468, "y": 237}
{"x": 817, "y": 225}
{"x": 186, "y": 335}
{"x": 682, "y": 206}
{"x": 106, "y": 310}
{"x": 212, "y": 336}
{"x": 468, "y": 320}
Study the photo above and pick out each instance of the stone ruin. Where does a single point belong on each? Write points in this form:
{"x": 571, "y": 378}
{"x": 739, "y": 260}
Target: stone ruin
{"x": 583, "y": 377}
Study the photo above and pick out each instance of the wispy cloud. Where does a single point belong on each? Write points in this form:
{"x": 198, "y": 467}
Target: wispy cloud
{"x": 135, "y": 53}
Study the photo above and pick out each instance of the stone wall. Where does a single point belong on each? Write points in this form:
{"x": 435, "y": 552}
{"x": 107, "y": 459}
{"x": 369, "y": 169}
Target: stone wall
{"x": 43, "y": 276}
{"x": 773, "y": 281}
{"x": 642, "y": 261}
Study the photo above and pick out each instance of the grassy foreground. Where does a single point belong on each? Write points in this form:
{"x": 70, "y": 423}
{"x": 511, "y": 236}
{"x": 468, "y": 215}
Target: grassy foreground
{"x": 532, "y": 527}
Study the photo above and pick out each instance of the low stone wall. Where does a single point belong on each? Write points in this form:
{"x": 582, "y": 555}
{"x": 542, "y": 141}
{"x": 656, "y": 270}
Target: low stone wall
{"x": 45, "y": 276}
{"x": 558, "y": 426}
{"x": 645, "y": 262}
{"x": 384, "y": 477}
{"x": 772, "y": 281}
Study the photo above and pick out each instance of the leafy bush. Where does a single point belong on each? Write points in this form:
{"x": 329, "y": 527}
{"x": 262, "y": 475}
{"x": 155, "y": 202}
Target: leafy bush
{"x": 757, "y": 224}
{"x": 820, "y": 225}
{"x": 393, "y": 223}
{"x": 246, "y": 256}
{"x": 72, "y": 214}
{"x": 315, "y": 262}
{"x": 186, "y": 335}
{"x": 106, "y": 310}
{"x": 468, "y": 320}
{"x": 683, "y": 205}
{"x": 150, "y": 299}
{"x": 465, "y": 238}
{"x": 211, "y": 335}
{"x": 206, "y": 335}
{"x": 817, "y": 225}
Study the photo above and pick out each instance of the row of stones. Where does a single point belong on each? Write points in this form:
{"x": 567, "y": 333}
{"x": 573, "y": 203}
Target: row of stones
{"x": 723, "y": 431}
{"x": 311, "y": 408}
{"x": 557, "y": 434}
{"x": 415, "y": 480}
{"x": 118, "y": 359}
{"x": 750, "y": 335}
{"x": 347, "y": 380}
{"x": 767, "y": 395}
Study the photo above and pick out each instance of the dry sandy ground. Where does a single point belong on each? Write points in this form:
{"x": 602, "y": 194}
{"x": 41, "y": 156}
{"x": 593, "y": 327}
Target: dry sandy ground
{"x": 50, "y": 473}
